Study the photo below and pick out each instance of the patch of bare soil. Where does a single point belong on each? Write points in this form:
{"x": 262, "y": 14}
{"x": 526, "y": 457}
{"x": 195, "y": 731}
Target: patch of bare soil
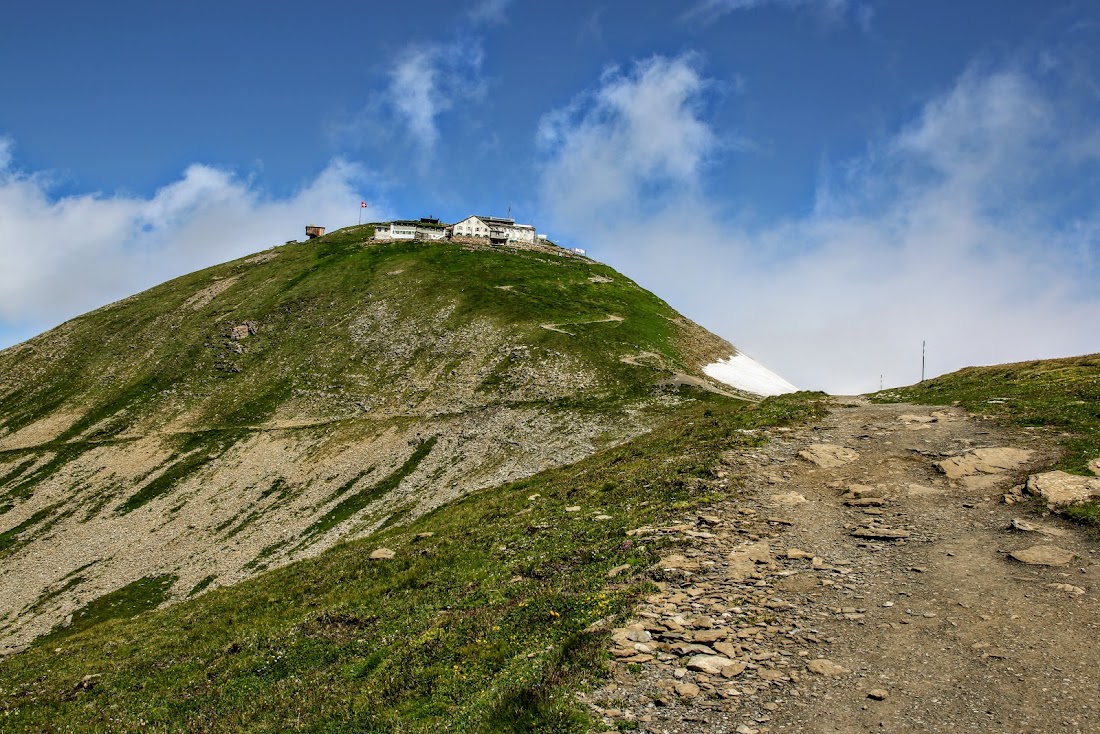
{"x": 876, "y": 575}
{"x": 209, "y": 293}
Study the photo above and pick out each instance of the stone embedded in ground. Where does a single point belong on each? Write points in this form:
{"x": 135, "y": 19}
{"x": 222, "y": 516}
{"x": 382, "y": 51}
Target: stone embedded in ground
{"x": 678, "y": 561}
{"x": 707, "y": 636}
{"x": 726, "y": 648}
{"x": 1023, "y": 526}
{"x": 878, "y": 694}
{"x": 741, "y": 562}
{"x": 919, "y": 490}
{"x": 800, "y": 583}
{"x": 880, "y": 533}
{"x": 866, "y": 502}
{"x": 687, "y": 690}
{"x": 1068, "y": 588}
{"x": 1060, "y": 489}
{"x": 1094, "y": 466}
{"x": 686, "y": 648}
{"x": 573, "y": 508}
{"x": 1043, "y": 555}
{"x": 858, "y": 491}
{"x": 824, "y": 666}
{"x": 381, "y": 554}
{"x": 734, "y": 669}
{"x": 790, "y": 498}
{"x": 982, "y": 481}
{"x": 618, "y": 570}
{"x": 984, "y": 461}
{"x": 798, "y": 554}
{"x": 910, "y": 418}
{"x": 702, "y": 622}
{"x": 709, "y": 664}
{"x": 758, "y": 552}
{"x": 828, "y": 456}
{"x": 242, "y": 331}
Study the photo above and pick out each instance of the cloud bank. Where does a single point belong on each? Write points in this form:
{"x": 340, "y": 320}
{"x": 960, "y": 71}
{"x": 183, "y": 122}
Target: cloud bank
{"x": 955, "y": 229}
{"x": 64, "y": 255}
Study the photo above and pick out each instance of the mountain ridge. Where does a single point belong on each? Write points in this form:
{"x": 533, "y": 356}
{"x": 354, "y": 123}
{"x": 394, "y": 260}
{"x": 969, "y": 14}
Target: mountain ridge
{"x": 258, "y": 411}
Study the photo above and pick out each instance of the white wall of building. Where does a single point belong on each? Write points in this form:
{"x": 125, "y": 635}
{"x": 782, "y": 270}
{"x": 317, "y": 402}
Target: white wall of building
{"x": 471, "y": 227}
{"x": 394, "y": 231}
{"x": 430, "y": 233}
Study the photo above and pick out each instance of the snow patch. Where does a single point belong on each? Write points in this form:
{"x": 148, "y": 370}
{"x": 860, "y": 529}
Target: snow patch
{"x": 745, "y": 373}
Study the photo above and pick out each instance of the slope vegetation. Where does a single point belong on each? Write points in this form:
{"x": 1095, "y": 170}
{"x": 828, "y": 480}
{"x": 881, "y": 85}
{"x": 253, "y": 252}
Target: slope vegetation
{"x": 259, "y": 411}
{"x": 1059, "y": 396}
{"x": 489, "y": 613}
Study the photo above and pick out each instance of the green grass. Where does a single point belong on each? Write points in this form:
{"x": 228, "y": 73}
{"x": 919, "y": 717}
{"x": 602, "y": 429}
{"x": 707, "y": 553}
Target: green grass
{"x": 1059, "y": 394}
{"x": 10, "y": 476}
{"x": 124, "y": 603}
{"x": 202, "y": 585}
{"x": 195, "y": 450}
{"x": 480, "y": 627}
{"x": 296, "y": 298}
{"x": 356, "y": 502}
{"x": 14, "y": 537}
{"x": 157, "y": 358}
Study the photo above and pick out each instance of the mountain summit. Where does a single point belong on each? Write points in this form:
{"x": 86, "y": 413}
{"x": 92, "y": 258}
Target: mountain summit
{"x": 261, "y": 410}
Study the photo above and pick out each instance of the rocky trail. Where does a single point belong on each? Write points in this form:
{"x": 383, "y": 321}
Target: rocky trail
{"x": 880, "y": 571}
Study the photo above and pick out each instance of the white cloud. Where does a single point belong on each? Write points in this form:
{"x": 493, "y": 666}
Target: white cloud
{"x": 827, "y": 10}
{"x": 952, "y": 230}
{"x": 429, "y": 80}
{"x": 641, "y": 128}
{"x": 488, "y": 12}
{"x": 414, "y": 96}
{"x": 65, "y": 255}
{"x": 6, "y": 146}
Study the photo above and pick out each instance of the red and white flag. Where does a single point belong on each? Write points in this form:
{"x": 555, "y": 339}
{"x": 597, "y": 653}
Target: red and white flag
{"x": 362, "y": 205}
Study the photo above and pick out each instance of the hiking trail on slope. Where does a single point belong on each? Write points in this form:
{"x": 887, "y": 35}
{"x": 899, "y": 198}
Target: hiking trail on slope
{"x": 878, "y": 571}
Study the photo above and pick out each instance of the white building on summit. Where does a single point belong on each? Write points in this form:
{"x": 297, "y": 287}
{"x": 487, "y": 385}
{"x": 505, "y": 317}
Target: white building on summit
{"x": 407, "y": 229}
{"x": 494, "y": 229}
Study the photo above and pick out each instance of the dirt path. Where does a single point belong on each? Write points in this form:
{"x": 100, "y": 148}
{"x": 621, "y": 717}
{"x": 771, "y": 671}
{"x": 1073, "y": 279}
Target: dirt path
{"x": 783, "y": 612}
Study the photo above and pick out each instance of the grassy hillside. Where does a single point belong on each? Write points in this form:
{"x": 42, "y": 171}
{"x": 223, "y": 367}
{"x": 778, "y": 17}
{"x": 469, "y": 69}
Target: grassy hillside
{"x": 1062, "y": 394}
{"x": 334, "y": 323}
{"x": 483, "y": 625}
{"x": 262, "y": 410}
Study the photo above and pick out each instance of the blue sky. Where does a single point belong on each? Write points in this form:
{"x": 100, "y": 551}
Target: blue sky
{"x": 826, "y": 183}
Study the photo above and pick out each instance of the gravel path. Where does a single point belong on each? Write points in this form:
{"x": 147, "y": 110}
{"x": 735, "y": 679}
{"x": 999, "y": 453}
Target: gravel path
{"x": 856, "y": 586}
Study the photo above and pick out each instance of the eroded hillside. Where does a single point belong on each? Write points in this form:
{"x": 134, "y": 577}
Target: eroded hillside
{"x": 259, "y": 411}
